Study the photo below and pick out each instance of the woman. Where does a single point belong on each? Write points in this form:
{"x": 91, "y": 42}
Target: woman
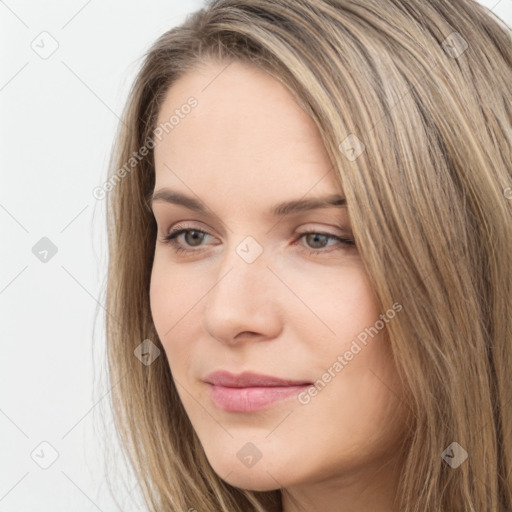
{"x": 310, "y": 234}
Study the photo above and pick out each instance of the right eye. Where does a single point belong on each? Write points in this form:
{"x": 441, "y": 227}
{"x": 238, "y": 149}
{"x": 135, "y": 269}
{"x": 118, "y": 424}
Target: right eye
{"x": 192, "y": 238}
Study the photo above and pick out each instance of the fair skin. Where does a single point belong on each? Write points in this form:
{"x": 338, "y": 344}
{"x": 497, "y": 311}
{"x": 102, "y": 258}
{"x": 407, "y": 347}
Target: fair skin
{"x": 290, "y": 313}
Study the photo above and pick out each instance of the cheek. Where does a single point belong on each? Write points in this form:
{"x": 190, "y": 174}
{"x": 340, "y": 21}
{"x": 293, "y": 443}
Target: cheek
{"x": 173, "y": 291}
{"x": 361, "y": 343}
{"x": 172, "y": 296}
{"x": 351, "y": 304}
{"x": 354, "y": 367}
{"x": 342, "y": 307}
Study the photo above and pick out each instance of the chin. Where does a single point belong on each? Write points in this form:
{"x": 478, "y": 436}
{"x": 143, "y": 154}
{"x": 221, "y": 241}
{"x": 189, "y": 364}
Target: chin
{"x": 260, "y": 476}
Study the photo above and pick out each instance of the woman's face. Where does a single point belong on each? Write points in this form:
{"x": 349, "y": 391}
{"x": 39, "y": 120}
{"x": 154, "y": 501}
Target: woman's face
{"x": 247, "y": 290}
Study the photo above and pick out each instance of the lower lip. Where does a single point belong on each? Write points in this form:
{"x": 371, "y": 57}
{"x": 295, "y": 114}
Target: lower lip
{"x": 251, "y": 399}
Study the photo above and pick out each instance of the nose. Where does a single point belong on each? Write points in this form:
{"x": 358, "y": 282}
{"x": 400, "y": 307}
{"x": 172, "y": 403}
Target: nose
{"x": 244, "y": 303}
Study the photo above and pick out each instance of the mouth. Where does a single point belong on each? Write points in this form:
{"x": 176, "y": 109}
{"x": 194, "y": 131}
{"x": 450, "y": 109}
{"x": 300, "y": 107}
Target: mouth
{"x": 249, "y": 391}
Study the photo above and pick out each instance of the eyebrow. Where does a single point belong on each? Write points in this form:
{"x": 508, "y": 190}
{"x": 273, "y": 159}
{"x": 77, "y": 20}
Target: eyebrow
{"x": 167, "y": 195}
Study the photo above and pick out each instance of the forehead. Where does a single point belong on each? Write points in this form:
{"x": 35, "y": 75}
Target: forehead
{"x": 246, "y": 132}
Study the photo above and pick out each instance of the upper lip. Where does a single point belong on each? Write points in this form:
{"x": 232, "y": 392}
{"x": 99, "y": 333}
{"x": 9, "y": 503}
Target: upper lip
{"x": 249, "y": 379}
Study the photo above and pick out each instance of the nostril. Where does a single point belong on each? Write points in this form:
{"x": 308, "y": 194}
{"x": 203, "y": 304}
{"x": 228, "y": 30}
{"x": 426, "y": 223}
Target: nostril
{"x": 246, "y": 334}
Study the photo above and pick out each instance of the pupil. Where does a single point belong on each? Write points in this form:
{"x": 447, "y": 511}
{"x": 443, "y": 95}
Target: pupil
{"x": 194, "y": 235}
{"x": 315, "y": 237}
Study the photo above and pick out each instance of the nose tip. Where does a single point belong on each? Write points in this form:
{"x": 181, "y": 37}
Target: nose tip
{"x": 242, "y": 306}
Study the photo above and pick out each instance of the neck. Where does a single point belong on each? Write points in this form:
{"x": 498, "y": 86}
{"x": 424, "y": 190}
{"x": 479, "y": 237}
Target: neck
{"x": 368, "y": 488}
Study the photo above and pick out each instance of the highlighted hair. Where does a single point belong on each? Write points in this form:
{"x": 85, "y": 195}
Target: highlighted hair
{"x": 422, "y": 90}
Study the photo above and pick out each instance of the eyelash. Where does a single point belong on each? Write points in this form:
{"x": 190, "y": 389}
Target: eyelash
{"x": 170, "y": 239}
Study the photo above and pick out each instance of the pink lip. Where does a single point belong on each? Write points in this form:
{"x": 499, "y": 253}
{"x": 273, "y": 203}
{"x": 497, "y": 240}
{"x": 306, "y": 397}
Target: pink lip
{"x": 249, "y": 391}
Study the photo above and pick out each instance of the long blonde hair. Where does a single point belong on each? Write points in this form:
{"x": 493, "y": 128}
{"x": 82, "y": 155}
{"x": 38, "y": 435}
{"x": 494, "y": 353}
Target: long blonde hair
{"x": 413, "y": 101}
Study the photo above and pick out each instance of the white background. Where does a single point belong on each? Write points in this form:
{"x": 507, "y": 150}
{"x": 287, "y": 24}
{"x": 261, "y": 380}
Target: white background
{"x": 58, "y": 117}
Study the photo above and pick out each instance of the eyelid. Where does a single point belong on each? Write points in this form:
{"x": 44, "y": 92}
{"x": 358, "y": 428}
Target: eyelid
{"x": 342, "y": 232}
{"x": 344, "y": 241}
{"x": 320, "y": 230}
{"x": 163, "y": 212}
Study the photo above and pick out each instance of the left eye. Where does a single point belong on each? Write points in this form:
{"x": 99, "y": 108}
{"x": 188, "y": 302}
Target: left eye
{"x": 194, "y": 237}
{"x": 313, "y": 237}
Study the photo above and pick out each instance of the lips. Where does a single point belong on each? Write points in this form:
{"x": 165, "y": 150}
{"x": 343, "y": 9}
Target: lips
{"x": 250, "y": 379}
{"x": 250, "y": 391}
